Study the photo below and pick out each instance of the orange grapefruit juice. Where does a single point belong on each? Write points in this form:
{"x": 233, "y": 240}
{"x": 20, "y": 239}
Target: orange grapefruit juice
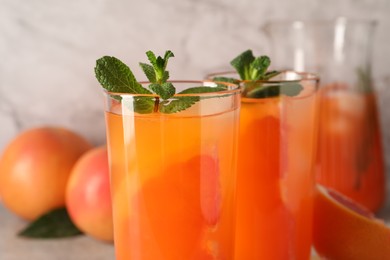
{"x": 275, "y": 176}
{"x": 173, "y": 181}
{"x": 350, "y": 151}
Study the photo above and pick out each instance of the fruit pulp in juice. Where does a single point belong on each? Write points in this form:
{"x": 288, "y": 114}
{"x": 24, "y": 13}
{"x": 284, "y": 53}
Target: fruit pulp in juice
{"x": 173, "y": 185}
{"x": 275, "y": 178}
{"x": 350, "y": 155}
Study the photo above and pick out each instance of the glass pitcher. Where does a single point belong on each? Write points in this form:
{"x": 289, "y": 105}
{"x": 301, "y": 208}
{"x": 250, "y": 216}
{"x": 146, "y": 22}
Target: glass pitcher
{"x": 350, "y": 154}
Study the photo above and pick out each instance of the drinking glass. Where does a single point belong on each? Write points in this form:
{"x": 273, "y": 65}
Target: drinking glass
{"x": 350, "y": 154}
{"x": 173, "y": 175}
{"x": 275, "y": 178}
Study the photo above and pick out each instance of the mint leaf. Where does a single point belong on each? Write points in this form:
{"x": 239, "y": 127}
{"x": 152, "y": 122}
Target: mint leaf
{"x": 164, "y": 90}
{"x": 54, "y": 224}
{"x": 149, "y": 72}
{"x": 167, "y": 55}
{"x": 242, "y": 63}
{"x": 144, "y": 105}
{"x": 151, "y": 57}
{"x": 177, "y": 104}
{"x": 264, "y": 91}
{"x": 291, "y": 89}
{"x": 115, "y": 76}
{"x": 159, "y": 65}
{"x": 252, "y": 70}
{"x": 202, "y": 89}
{"x": 258, "y": 67}
{"x": 226, "y": 79}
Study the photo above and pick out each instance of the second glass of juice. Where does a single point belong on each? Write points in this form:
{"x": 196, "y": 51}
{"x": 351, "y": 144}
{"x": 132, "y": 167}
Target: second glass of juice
{"x": 275, "y": 177}
{"x": 276, "y": 172}
{"x": 173, "y": 175}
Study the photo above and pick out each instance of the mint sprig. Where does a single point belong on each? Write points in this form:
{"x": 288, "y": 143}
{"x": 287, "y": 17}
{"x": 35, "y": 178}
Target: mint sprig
{"x": 115, "y": 76}
{"x": 252, "y": 69}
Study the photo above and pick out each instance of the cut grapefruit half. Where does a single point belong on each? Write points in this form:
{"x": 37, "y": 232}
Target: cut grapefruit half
{"x": 345, "y": 230}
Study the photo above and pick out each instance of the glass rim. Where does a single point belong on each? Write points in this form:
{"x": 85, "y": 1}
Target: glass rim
{"x": 306, "y": 76}
{"x": 321, "y": 22}
{"x": 234, "y": 89}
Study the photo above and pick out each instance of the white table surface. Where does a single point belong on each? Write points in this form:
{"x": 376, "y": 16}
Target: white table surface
{"x": 13, "y": 247}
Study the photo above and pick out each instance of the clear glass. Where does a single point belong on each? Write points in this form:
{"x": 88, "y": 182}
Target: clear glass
{"x": 350, "y": 154}
{"x": 173, "y": 176}
{"x": 275, "y": 180}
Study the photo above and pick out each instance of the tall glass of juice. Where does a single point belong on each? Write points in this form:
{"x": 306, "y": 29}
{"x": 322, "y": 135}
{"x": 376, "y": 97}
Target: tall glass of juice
{"x": 173, "y": 175}
{"x": 275, "y": 178}
{"x": 350, "y": 154}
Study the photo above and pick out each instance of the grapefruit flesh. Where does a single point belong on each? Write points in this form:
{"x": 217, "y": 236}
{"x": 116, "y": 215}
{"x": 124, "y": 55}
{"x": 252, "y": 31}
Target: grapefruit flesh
{"x": 345, "y": 230}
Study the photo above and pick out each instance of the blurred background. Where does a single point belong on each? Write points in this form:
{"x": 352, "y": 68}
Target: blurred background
{"x": 48, "y": 50}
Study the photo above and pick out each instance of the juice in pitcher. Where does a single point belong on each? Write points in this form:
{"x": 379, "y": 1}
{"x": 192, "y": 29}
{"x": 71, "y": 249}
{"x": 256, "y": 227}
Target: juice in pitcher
{"x": 350, "y": 157}
{"x": 350, "y": 147}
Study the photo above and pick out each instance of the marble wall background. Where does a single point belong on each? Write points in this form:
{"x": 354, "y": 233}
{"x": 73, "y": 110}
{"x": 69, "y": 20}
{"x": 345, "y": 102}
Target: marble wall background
{"x": 48, "y": 49}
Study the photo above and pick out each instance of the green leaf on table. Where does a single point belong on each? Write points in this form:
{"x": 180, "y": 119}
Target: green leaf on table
{"x": 54, "y": 224}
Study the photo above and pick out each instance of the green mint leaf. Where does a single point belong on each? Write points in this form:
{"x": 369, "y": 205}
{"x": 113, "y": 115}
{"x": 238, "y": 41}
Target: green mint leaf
{"x": 177, "y": 104}
{"x": 54, "y": 224}
{"x": 226, "y": 79}
{"x": 291, "y": 89}
{"x": 159, "y": 65}
{"x": 264, "y": 91}
{"x": 144, "y": 105}
{"x": 165, "y": 76}
{"x": 253, "y": 70}
{"x": 242, "y": 64}
{"x": 165, "y": 90}
{"x": 149, "y": 72}
{"x": 272, "y": 90}
{"x": 151, "y": 57}
{"x": 115, "y": 76}
{"x": 202, "y": 89}
{"x": 168, "y": 54}
{"x": 258, "y": 67}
